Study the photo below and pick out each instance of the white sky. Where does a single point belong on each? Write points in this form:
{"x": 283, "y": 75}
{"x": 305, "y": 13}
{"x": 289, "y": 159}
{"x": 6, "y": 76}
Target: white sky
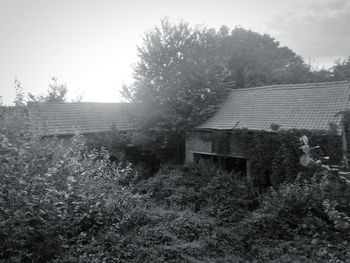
{"x": 91, "y": 44}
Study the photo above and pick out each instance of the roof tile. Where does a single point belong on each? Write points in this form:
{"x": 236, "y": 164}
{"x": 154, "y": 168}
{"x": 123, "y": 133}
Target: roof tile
{"x": 87, "y": 117}
{"x": 311, "y": 106}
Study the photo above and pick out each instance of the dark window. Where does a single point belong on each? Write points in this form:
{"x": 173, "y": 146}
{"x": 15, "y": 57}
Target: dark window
{"x": 220, "y": 142}
{"x": 236, "y": 164}
{"x": 226, "y": 163}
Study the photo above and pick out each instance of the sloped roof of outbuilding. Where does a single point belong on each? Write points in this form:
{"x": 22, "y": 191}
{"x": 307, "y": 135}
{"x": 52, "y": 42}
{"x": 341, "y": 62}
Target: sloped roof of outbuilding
{"x": 85, "y": 117}
{"x": 311, "y": 106}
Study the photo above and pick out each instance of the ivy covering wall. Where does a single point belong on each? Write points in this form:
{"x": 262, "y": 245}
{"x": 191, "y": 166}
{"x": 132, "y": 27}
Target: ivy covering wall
{"x": 274, "y": 156}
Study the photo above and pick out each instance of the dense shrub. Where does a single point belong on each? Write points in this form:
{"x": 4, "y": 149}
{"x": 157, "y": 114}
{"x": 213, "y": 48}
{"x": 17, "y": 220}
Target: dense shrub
{"x": 114, "y": 141}
{"x": 274, "y": 156}
{"x": 54, "y": 196}
{"x": 124, "y": 151}
{"x": 69, "y": 203}
{"x": 309, "y": 217}
{"x": 298, "y": 221}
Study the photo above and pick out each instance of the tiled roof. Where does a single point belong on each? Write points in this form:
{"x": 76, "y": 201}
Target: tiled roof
{"x": 311, "y": 106}
{"x": 85, "y": 117}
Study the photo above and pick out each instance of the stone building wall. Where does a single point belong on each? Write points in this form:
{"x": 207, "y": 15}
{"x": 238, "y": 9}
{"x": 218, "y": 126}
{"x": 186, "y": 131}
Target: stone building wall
{"x": 198, "y": 141}
{"x": 219, "y": 145}
{"x": 206, "y": 142}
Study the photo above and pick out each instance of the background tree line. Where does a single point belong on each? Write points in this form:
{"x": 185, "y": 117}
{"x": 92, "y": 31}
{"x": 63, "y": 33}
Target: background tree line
{"x": 64, "y": 202}
{"x": 185, "y": 72}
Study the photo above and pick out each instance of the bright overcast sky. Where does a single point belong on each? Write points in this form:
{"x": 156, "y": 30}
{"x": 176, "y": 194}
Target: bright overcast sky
{"x": 91, "y": 44}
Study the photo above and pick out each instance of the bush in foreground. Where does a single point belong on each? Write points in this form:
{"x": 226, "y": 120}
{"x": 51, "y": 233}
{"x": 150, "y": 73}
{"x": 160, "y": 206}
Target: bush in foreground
{"x": 66, "y": 203}
{"x": 53, "y": 196}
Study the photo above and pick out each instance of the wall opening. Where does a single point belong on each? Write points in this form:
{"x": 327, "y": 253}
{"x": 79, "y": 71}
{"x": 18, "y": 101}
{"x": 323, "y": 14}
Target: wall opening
{"x": 222, "y": 162}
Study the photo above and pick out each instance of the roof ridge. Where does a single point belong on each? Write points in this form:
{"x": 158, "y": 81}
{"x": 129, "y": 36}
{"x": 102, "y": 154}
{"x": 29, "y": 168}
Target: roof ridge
{"x": 310, "y": 85}
{"x": 76, "y": 103}
{"x": 282, "y": 108}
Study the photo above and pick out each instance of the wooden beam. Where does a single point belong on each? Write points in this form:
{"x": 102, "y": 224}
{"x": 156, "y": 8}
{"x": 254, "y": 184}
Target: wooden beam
{"x": 345, "y": 148}
{"x": 217, "y": 154}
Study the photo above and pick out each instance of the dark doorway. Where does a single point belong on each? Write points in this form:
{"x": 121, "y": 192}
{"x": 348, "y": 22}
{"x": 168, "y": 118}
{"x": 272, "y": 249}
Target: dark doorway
{"x": 226, "y": 163}
{"x": 236, "y": 164}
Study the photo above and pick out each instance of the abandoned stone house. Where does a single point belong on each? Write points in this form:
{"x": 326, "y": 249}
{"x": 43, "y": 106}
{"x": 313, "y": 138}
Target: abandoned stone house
{"x": 88, "y": 118}
{"x": 313, "y": 107}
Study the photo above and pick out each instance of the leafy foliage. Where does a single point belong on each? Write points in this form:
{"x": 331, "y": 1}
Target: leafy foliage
{"x": 184, "y": 73}
{"x": 113, "y": 141}
{"x": 19, "y": 99}
{"x": 338, "y": 72}
{"x": 54, "y": 196}
{"x": 341, "y": 70}
{"x": 56, "y": 93}
{"x": 287, "y": 223}
{"x": 274, "y": 156}
{"x": 67, "y": 203}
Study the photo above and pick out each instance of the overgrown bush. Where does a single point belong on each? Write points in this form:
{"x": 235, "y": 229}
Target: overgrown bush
{"x": 124, "y": 150}
{"x": 114, "y": 141}
{"x": 301, "y": 220}
{"x": 274, "y": 157}
{"x": 221, "y": 195}
{"x": 54, "y": 196}
{"x": 309, "y": 217}
{"x": 68, "y": 203}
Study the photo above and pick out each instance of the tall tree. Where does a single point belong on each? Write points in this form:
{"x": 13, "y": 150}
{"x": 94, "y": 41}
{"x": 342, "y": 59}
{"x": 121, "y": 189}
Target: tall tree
{"x": 56, "y": 93}
{"x": 183, "y": 73}
{"x": 178, "y": 81}
{"x": 341, "y": 69}
{"x": 19, "y": 94}
{"x": 256, "y": 60}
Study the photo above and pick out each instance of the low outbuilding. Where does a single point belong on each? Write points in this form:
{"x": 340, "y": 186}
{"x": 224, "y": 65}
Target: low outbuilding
{"x": 269, "y": 109}
{"x": 88, "y": 118}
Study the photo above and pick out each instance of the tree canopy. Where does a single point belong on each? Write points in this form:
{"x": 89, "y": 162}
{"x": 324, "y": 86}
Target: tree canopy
{"x": 55, "y": 93}
{"x": 184, "y": 73}
{"x": 341, "y": 69}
